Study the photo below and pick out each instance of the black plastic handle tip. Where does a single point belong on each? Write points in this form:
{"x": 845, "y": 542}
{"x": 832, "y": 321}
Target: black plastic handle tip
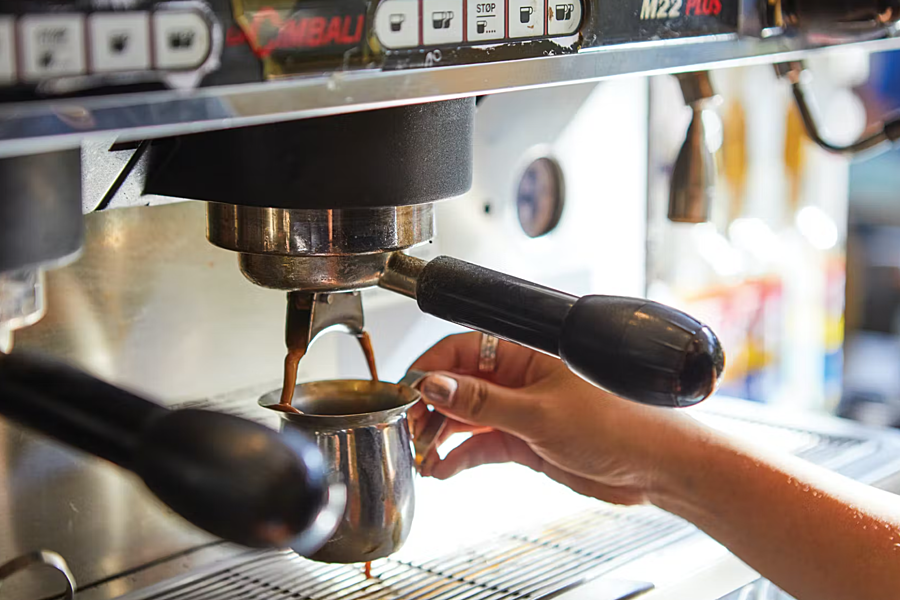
{"x": 642, "y": 350}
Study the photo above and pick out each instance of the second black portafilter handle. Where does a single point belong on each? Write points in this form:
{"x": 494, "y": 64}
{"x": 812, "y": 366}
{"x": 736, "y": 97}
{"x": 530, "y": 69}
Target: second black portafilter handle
{"x": 635, "y": 348}
{"x": 231, "y": 477}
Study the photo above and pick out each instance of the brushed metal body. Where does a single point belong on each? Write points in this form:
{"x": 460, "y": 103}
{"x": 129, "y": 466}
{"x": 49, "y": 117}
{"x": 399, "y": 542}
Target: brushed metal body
{"x": 361, "y": 429}
{"x": 317, "y": 250}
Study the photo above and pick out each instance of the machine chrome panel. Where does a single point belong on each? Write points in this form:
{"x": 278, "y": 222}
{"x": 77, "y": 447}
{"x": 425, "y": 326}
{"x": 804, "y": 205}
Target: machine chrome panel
{"x": 52, "y": 124}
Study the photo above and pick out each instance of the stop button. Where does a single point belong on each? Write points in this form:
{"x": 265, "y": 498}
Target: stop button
{"x": 485, "y": 20}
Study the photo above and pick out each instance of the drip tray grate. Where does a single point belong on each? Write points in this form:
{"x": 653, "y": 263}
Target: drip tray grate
{"x": 521, "y": 566}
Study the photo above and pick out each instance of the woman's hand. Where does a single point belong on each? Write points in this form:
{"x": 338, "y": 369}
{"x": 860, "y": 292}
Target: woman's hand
{"x": 534, "y": 411}
{"x": 813, "y": 533}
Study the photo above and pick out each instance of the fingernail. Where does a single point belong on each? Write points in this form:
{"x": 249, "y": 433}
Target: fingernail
{"x": 439, "y": 389}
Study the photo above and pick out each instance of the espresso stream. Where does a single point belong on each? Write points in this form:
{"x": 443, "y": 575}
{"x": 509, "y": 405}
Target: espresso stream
{"x": 292, "y": 363}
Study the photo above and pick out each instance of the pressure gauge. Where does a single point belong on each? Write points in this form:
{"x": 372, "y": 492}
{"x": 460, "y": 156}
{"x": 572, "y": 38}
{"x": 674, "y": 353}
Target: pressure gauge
{"x": 539, "y": 199}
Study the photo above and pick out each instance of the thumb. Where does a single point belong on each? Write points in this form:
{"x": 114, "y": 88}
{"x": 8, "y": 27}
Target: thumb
{"x": 479, "y": 402}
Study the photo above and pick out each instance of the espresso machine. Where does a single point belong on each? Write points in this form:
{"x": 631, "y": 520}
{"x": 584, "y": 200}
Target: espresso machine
{"x": 320, "y": 140}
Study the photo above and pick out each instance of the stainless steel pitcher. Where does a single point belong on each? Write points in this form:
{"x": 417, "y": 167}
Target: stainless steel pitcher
{"x": 361, "y": 429}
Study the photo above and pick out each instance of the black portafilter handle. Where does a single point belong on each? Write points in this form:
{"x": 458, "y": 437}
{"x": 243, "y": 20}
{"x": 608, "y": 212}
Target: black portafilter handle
{"x": 637, "y": 349}
{"x": 231, "y": 477}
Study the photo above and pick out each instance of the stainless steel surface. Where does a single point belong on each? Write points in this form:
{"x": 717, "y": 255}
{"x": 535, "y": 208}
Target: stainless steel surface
{"x": 153, "y": 307}
{"x": 326, "y": 523}
{"x": 100, "y": 169}
{"x": 340, "y": 273}
{"x": 305, "y": 232}
{"x": 317, "y": 250}
{"x": 46, "y": 558}
{"x": 311, "y": 315}
{"x": 22, "y": 301}
{"x": 361, "y": 429}
{"x": 401, "y": 274}
{"x": 693, "y": 185}
{"x": 337, "y": 311}
{"x": 799, "y": 77}
{"x": 43, "y": 126}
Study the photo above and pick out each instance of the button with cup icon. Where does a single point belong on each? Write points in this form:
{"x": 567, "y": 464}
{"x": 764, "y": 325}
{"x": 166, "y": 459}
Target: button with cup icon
{"x": 120, "y": 41}
{"x": 526, "y": 18}
{"x": 486, "y": 20}
{"x": 443, "y": 22}
{"x": 181, "y": 39}
{"x": 564, "y": 17}
{"x": 397, "y": 23}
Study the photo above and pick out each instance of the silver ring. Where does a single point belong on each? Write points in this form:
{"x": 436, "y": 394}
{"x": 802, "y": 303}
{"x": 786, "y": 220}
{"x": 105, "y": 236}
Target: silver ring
{"x": 487, "y": 355}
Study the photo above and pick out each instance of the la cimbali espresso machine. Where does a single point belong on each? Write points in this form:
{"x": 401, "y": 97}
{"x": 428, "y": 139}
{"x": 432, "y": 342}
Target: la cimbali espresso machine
{"x": 318, "y": 136}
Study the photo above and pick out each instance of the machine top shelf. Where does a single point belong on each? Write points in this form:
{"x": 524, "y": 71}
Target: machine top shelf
{"x": 39, "y": 125}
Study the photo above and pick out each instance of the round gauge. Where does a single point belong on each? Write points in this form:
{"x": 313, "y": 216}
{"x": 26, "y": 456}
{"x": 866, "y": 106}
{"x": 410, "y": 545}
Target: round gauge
{"x": 539, "y": 200}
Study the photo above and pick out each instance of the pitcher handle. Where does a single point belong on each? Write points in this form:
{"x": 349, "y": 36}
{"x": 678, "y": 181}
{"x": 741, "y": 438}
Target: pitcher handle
{"x": 41, "y": 557}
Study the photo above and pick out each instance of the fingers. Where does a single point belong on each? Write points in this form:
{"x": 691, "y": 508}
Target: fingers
{"x": 498, "y": 447}
{"x": 483, "y": 449}
{"x": 453, "y": 353}
{"x": 460, "y": 354}
{"x": 450, "y": 428}
{"x": 481, "y": 403}
{"x": 416, "y": 417}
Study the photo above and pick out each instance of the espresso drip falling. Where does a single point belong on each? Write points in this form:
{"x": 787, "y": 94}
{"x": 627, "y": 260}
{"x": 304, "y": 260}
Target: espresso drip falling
{"x": 291, "y": 364}
{"x": 297, "y": 339}
{"x": 365, "y": 343}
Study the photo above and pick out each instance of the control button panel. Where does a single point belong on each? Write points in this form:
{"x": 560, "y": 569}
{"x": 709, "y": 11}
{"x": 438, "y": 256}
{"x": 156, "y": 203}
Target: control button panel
{"x": 442, "y": 22}
{"x": 485, "y": 20}
{"x": 397, "y": 23}
{"x": 526, "y": 18}
{"x": 7, "y": 50}
{"x": 119, "y": 42}
{"x": 422, "y": 23}
{"x": 37, "y": 47}
{"x": 52, "y": 46}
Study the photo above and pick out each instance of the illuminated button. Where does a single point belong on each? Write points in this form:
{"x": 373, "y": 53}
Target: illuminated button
{"x": 397, "y": 23}
{"x": 442, "y": 22}
{"x": 7, "y": 50}
{"x": 526, "y": 18}
{"x": 486, "y": 20}
{"x": 563, "y": 18}
{"x": 181, "y": 39}
{"x": 119, "y": 41}
{"x": 52, "y": 46}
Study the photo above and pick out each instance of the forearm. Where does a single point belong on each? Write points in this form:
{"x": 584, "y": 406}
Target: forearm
{"x": 815, "y": 534}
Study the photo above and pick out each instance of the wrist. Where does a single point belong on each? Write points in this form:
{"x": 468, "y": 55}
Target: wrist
{"x": 678, "y": 460}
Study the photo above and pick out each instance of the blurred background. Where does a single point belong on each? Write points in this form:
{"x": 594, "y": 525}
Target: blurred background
{"x": 799, "y": 268}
